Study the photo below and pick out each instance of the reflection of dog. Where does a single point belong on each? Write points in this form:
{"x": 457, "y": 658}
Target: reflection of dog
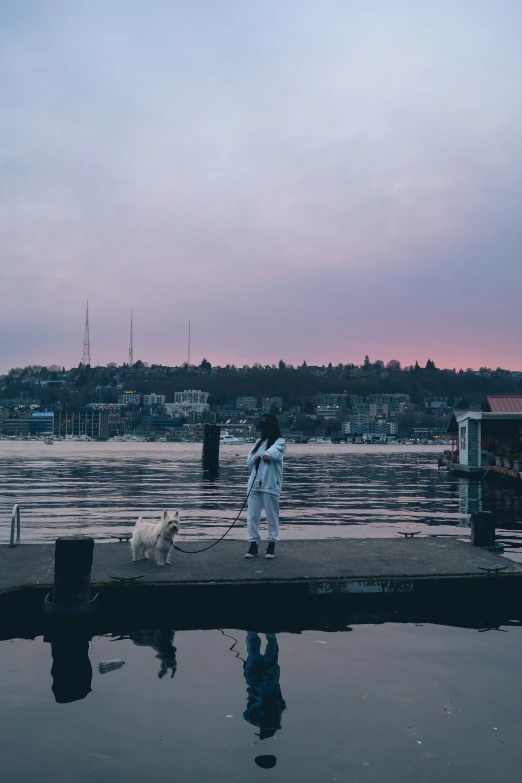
{"x": 160, "y": 641}
{"x": 155, "y": 537}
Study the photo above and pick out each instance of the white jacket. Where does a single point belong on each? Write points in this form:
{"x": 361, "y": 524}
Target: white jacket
{"x": 270, "y": 474}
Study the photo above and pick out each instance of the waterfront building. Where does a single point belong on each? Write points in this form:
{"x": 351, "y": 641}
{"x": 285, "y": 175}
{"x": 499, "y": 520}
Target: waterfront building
{"x": 369, "y": 425}
{"x": 77, "y": 422}
{"x": 34, "y": 424}
{"x": 488, "y": 430}
{"x": 429, "y": 433}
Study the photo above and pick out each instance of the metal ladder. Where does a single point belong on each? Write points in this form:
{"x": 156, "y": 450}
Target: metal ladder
{"x": 15, "y": 520}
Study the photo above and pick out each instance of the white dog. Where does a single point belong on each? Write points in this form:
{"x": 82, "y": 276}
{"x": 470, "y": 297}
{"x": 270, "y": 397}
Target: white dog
{"x": 157, "y": 537}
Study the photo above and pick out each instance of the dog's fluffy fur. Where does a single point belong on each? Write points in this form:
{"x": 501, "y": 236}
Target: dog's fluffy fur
{"x": 155, "y": 537}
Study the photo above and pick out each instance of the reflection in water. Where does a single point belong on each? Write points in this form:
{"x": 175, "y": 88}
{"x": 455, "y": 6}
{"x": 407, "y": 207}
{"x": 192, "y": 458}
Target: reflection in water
{"x": 71, "y": 670}
{"x": 161, "y": 641}
{"x": 265, "y": 703}
{"x": 470, "y": 496}
{"x": 394, "y": 701}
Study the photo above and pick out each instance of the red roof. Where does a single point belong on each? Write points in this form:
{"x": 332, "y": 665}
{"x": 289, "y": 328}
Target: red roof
{"x": 504, "y": 404}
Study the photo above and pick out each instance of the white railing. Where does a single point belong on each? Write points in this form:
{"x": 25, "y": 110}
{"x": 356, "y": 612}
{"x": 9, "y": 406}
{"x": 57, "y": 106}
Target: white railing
{"x": 15, "y": 520}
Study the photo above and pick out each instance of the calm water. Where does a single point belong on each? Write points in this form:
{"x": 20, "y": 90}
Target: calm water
{"x": 101, "y": 488}
{"x": 398, "y": 703}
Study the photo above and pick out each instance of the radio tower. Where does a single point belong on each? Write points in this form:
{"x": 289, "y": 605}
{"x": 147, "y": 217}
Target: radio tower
{"x": 188, "y": 353}
{"x": 131, "y": 349}
{"x": 86, "y": 360}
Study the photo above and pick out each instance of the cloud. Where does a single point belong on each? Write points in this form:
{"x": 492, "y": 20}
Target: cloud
{"x": 314, "y": 170}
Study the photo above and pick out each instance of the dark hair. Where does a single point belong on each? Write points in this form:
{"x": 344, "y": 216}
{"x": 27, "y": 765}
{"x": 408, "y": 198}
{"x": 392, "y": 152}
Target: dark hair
{"x": 269, "y": 427}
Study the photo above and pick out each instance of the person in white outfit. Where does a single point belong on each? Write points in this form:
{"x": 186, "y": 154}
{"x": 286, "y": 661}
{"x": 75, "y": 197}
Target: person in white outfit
{"x": 265, "y": 483}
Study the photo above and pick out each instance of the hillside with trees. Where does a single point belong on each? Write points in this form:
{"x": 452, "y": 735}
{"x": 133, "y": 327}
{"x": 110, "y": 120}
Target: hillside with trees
{"x": 296, "y": 385}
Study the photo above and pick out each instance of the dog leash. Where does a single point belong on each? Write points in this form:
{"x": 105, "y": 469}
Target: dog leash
{"x": 227, "y": 531}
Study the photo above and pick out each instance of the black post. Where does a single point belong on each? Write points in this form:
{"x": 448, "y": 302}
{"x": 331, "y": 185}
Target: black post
{"x": 482, "y": 528}
{"x": 72, "y": 569}
{"x": 211, "y": 436}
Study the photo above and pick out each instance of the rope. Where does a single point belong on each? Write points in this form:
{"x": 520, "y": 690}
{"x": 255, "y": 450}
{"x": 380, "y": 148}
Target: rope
{"x": 227, "y": 531}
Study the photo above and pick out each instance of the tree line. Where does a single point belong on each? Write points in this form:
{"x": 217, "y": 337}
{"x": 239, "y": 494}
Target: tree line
{"x": 296, "y": 385}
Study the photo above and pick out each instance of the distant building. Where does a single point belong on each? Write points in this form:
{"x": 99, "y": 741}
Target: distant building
{"x": 332, "y": 400}
{"x": 129, "y": 398}
{"x": 435, "y": 403}
{"x": 82, "y": 421}
{"x": 154, "y": 399}
{"x": 193, "y": 396}
{"x": 369, "y": 425}
{"x": 246, "y": 403}
{"x": 191, "y": 403}
{"x": 375, "y": 409}
{"x": 269, "y": 403}
{"x": 429, "y": 433}
{"x": 105, "y": 406}
{"x": 328, "y": 411}
{"x": 186, "y": 408}
{"x": 33, "y": 424}
{"x": 224, "y": 413}
{"x": 396, "y": 402}
{"x": 20, "y": 402}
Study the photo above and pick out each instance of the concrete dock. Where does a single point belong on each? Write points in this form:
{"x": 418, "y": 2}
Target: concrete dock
{"x": 340, "y": 563}
{"x": 221, "y": 588}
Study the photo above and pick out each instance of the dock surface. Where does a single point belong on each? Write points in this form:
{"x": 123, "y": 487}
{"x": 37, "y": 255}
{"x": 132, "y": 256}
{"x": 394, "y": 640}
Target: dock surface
{"x": 32, "y": 565}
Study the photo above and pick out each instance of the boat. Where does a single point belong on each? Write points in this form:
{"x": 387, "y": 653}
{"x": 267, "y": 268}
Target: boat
{"x": 226, "y": 439}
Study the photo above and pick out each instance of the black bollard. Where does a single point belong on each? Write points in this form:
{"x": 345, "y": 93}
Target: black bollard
{"x": 482, "y": 529}
{"x": 72, "y": 570}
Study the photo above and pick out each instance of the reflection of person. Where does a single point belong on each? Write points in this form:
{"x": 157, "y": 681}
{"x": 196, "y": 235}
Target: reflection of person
{"x": 161, "y": 641}
{"x": 265, "y": 704}
{"x": 264, "y": 486}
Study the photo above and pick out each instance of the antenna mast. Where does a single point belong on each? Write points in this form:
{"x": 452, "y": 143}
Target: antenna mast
{"x": 131, "y": 347}
{"x": 86, "y": 360}
{"x": 188, "y": 354}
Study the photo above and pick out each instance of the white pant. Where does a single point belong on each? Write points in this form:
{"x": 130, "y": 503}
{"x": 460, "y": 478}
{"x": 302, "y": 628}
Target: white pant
{"x": 256, "y": 502}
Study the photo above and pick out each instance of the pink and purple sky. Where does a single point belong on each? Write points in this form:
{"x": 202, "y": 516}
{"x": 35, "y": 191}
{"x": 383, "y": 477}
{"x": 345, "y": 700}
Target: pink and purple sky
{"x": 300, "y": 179}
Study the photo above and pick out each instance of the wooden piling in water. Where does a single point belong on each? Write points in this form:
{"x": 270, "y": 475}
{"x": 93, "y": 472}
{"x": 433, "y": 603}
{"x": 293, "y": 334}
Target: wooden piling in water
{"x": 211, "y": 435}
